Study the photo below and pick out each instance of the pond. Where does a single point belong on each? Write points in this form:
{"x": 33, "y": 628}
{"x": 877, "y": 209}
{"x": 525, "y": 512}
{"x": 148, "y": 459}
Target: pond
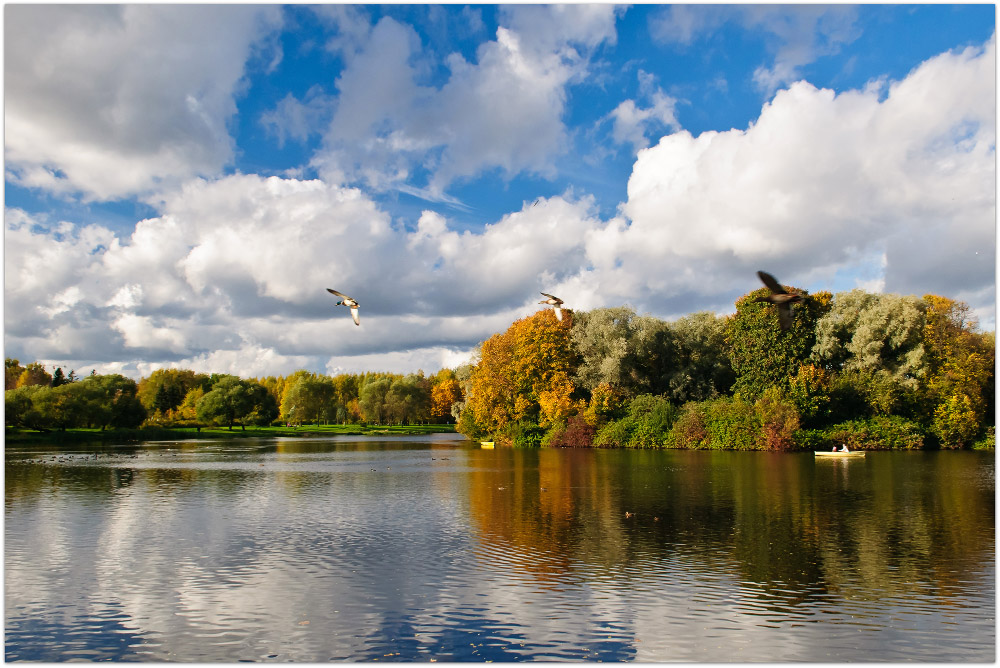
{"x": 429, "y": 548}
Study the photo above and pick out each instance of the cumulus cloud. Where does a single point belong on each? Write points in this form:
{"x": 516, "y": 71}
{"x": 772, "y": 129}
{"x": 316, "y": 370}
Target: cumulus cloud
{"x": 504, "y": 111}
{"x": 632, "y": 124}
{"x": 821, "y": 179}
{"x": 112, "y": 101}
{"x": 233, "y": 273}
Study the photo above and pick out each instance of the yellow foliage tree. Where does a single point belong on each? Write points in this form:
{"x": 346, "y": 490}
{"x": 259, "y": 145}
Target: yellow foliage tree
{"x": 961, "y": 370}
{"x": 524, "y": 374}
{"x": 443, "y": 395}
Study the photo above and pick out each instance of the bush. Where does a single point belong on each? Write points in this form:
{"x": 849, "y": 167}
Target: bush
{"x": 523, "y": 434}
{"x": 689, "y": 430}
{"x": 732, "y": 424}
{"x": 877, "y": 433}
{"x": 647, "y": 424}
{"x": 467, "y": 425}
{"x": 779, "y": 420}
{"x": 988, "y": 441}
{"x": 574, "y": 433}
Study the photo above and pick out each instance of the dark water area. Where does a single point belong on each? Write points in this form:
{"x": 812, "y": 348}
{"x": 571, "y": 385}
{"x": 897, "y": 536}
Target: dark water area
{"x": 428, "y": 548}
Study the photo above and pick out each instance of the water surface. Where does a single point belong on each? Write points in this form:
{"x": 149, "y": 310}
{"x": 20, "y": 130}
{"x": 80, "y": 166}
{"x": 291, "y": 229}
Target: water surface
{"x": 428, "y": 548}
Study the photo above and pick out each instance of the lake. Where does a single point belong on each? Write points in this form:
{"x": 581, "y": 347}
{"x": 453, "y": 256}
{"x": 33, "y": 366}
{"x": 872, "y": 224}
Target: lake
{"x": 428, "y": 548}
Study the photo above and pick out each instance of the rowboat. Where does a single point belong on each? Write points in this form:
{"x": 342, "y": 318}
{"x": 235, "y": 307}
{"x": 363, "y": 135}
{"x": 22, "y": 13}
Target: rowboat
{"x": 852, "y": 453}
{"x": 486, "y": 444}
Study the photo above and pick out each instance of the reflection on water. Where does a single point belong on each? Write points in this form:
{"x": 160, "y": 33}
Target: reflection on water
{"x": 427, "y": 548}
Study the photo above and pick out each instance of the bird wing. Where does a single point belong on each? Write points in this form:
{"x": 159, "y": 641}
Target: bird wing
{"x": 771, "y": 283}
{"x": 339, "y": 294}
{"x": 552, "y": 297}
{"x": 354, "y": 314}
{"x": 785, "y": 316}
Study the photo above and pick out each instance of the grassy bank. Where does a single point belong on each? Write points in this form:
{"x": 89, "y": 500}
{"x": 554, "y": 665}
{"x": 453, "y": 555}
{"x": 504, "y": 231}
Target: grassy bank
{"x": 20, "y": 436}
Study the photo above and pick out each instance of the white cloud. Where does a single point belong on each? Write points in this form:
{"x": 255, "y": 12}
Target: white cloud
{"x": 233, "y": 273}
{"x": 795, "y": 35}
{"x": 821, "y": 179}
{"x": 111, "y": 101}
{"x": 504, "y": 111}
{"x": 631, "y": 124}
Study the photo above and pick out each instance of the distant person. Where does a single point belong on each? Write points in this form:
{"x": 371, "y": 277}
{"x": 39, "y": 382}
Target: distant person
{"x": 843, "y": 448}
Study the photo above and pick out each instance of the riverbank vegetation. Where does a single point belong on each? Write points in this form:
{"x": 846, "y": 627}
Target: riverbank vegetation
{"x": 869, "y": 371}
{"x": 864, "y": 370}
{"x": 183, "y": 400}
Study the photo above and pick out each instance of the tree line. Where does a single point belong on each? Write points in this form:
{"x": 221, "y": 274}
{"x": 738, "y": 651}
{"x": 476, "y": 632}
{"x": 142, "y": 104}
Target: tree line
{"x": 35, "y": 399}
{"x": 858, "y": 369}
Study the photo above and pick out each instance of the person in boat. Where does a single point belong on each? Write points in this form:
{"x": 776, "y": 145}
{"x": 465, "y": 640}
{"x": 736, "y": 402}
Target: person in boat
{"x": 843, "y": 448}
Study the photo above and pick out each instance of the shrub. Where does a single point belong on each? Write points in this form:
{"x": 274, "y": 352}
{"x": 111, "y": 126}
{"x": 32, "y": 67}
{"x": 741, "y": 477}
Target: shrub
{"x": 689, "y": 429}
{"x": 877, "y": 433}
{"x": 779, "y": 420}
{"x": 523, "y": 434}
{"x": 574, "y": 433}
{"x": 614, "y": 434}
{"x": 731, "y": 423}
{"x": 646, "y": 424}
{"x": 988, "y": 441}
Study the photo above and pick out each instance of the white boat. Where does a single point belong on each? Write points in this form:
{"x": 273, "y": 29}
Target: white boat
{"x": 838, "y": 453}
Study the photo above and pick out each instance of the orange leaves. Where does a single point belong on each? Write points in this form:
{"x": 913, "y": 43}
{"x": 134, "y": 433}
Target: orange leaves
{"x": 524, "y": 374}
{"x": 443, "y": 395}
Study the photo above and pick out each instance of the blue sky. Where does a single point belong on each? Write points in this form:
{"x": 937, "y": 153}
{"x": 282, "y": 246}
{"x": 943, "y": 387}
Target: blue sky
{"x": 183, "y": 181}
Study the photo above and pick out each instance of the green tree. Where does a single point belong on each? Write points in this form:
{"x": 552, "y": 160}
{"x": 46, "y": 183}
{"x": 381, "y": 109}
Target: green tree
{"x": 229, "y": 401}
{"x": 701, "y": 368}
{"x": 873, "y": 334}
{"x": 625, "y": 350}
{"x": 961, "y": 362}
{"x": 19, "y": 407}
{"x": 761, "y": 353}
{"x": 58, "y": 378}
{"x": 373, "y": 400}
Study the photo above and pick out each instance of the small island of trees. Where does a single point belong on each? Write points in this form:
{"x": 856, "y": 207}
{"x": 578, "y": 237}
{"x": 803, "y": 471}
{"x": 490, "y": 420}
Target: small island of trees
{"x": 871, "y": 371}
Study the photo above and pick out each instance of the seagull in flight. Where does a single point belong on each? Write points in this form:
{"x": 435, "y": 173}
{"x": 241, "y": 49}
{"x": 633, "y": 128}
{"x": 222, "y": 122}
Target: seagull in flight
{"x": 347, "y": 301}
{"x": 780, "y": 298}
{"x": 553, "y": 301}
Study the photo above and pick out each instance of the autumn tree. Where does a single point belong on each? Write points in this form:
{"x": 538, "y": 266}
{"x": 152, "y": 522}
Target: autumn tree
{"x": 961, "y": 362}
{"x": 164, "y": 389}
{"x": 12, "y": 372}
{"x": 524, "y": 375}
{"x": 445, "y": 393}
{"x": 34, "y": 374}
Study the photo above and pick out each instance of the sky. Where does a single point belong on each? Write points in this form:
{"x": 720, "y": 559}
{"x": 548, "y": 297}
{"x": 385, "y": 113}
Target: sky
{"x": 183, "y": 182}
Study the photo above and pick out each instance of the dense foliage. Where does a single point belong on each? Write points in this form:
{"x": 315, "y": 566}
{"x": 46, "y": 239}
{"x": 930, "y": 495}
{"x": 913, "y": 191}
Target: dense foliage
{"x": 857, "y": 369}
{"x": 182, "y": 397}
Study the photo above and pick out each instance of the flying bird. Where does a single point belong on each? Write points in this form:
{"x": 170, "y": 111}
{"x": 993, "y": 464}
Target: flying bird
{"x": 347, "y": 301}
{"x": 780, "y": 298}
{"x": 553, "y": 301}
